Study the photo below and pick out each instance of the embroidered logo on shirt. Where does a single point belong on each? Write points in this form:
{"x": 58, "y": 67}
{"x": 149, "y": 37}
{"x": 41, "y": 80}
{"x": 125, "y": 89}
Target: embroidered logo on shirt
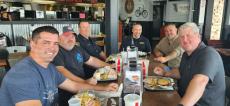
{"x": 50, "y": 95}
{"x": 79, "y": 57}
{"x": 141, "y": 43}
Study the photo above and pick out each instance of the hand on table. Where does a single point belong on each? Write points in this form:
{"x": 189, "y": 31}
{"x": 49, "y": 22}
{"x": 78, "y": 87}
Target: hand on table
{"x": 111, "y": 87}
{"x": 159, "y": 71}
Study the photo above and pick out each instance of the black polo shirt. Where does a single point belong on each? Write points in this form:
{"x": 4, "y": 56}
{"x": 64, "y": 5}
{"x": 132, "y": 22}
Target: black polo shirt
{"x": 206, "y": 61}
{"x": 89, "y": 46}
{"x": 72, "y": 60}
{"x": 141, "y": 43}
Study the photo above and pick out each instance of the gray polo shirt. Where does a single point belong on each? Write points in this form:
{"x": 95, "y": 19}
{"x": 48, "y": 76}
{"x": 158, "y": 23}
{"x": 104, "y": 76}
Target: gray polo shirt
{"x": 166, "y": 46}
{"x": 206, "y": 61}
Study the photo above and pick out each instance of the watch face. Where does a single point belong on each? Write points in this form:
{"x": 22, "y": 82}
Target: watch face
{"x": 129, "y": 6}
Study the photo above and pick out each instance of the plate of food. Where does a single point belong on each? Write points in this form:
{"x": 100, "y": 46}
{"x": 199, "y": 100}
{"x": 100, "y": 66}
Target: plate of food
{"x": 159, "y": 83}
{"x": 105, "y": 74}
{"x": 87, "y": 97}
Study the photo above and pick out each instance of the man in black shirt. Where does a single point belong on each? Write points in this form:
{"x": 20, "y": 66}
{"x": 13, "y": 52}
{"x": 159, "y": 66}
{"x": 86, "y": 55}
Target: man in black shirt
{"x": 87, "y": 43}
{"x": 89, "y": 46}
{"x": 141, "y": 42}
{"x": 69, "y": 61}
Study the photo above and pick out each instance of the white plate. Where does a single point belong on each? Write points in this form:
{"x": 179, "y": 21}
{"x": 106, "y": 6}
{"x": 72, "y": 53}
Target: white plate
{"x": 110, "y": 73}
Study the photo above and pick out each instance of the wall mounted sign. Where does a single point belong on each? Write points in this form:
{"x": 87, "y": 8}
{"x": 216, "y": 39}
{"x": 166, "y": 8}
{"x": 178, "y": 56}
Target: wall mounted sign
{"x": 129, "y": 6}
{"x": 217, "y": 16}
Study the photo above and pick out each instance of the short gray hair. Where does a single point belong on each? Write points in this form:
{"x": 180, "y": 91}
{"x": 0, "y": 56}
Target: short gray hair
{"x": 191, "y": 25}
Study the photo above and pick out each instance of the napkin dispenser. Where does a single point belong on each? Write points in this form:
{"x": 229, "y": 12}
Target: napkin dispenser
{"x": 133, "y": 77}
{"x": 132, "y": 52}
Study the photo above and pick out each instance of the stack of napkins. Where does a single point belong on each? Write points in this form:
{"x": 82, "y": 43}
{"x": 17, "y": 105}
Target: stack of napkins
{"x": 110, "y": 94}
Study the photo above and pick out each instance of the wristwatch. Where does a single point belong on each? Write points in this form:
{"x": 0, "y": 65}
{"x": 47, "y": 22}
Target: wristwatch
{"x": 180, "y": 105}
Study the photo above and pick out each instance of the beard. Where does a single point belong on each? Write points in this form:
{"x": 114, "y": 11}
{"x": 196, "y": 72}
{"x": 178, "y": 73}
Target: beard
{"x": 67, "y": 44}
{"x": 70, "y": 47}
{"x": 136, "y": 36}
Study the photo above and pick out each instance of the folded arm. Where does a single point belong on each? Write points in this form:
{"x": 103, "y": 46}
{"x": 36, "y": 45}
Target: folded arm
{"x": 172, "y": 55}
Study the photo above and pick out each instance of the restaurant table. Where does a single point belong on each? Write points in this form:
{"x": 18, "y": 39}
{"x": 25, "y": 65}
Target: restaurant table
{"x": 157, "y": 98}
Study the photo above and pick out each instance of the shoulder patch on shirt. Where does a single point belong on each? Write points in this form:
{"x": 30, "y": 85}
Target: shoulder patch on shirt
{"x": 78, "y": 57}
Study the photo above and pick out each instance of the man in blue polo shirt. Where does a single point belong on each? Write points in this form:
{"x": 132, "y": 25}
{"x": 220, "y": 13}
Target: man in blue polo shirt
{"x": 141, "y": 42}
{"x": 201, "y": 80}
